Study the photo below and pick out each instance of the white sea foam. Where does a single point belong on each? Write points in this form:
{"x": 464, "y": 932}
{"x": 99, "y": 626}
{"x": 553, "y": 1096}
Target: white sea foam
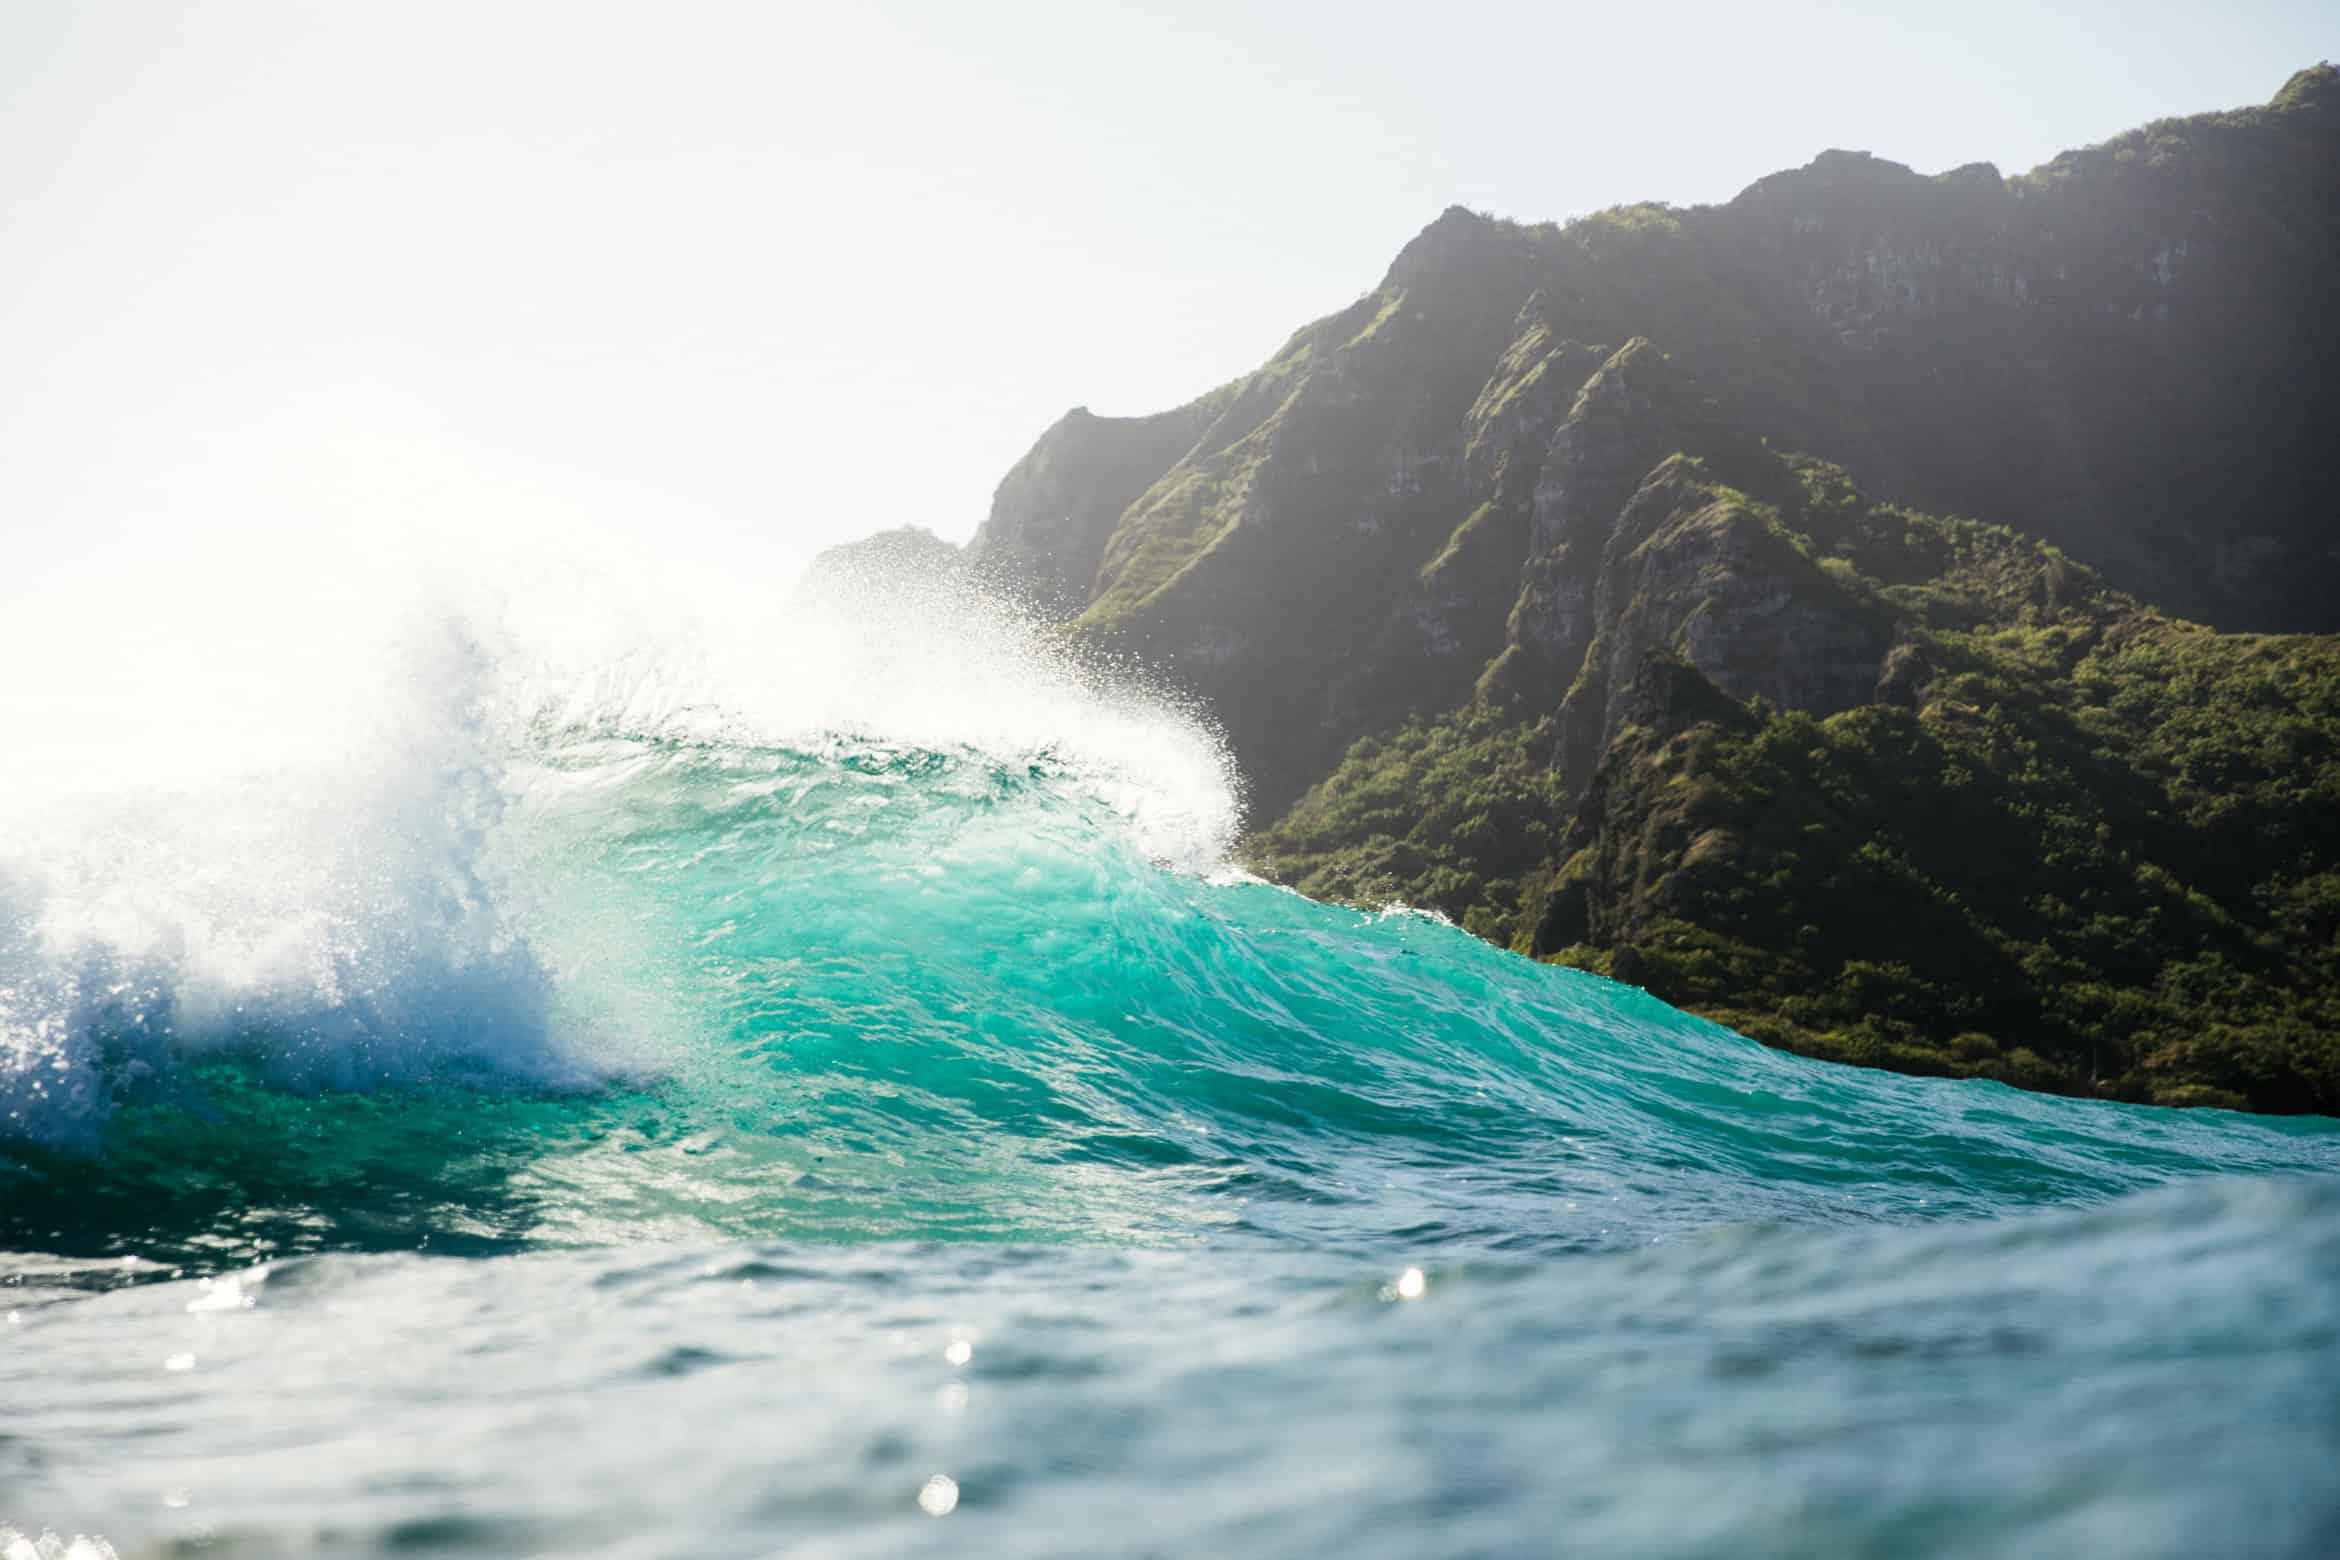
{"x": 343, "y": 922}
{"x": 916, "y": 661}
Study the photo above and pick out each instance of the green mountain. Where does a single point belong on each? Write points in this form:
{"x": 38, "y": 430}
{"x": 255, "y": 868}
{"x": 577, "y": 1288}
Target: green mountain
{"x": 1587, "y": 582}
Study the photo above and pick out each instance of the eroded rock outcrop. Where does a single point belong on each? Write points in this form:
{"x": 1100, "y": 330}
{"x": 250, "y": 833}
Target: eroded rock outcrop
{"x": 1699, "y": 574}
{"x": 1058, "y": 507}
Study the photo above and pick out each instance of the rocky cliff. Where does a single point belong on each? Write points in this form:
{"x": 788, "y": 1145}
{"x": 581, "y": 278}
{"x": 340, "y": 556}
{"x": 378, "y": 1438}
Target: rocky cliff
{"x": 2123, "y": 352}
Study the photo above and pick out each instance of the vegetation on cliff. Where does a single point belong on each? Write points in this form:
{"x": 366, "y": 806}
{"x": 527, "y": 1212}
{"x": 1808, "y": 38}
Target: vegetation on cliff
{"x": 2072, "y": 844}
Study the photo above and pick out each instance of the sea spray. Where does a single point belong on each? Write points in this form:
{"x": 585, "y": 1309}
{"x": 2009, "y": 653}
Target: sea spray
{"x": 340, "y": 924}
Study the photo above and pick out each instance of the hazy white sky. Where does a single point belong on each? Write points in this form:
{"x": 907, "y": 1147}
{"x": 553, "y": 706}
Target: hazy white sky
{"x": 739, "y": 280}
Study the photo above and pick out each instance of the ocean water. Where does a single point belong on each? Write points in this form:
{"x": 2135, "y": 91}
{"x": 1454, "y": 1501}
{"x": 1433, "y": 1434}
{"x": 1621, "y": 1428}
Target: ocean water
{"x": 850, "y": 1106}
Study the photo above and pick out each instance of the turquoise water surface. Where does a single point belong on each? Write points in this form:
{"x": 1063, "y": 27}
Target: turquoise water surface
{"x": 672, "y": 1140}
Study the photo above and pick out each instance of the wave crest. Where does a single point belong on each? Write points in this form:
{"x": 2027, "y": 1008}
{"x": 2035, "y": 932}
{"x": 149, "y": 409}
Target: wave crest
{"x": 436, "y": 901}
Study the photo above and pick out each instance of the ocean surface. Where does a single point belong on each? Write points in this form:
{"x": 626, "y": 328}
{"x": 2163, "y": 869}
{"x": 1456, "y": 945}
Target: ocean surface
{"x": 661, "y": 1112}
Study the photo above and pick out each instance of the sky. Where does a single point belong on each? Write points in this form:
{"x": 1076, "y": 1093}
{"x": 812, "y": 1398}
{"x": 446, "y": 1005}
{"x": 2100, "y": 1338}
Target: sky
{"x": 730, "y": 282}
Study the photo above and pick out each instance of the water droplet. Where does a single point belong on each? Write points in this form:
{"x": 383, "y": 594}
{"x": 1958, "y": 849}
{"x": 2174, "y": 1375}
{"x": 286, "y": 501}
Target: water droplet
{"x": 939, "y": 1496}
{"x": 1411, "y": 1283}
{"x": 180, "y": 1362}
{"x": 228, "y": 1294}
{"x": 959, "y": 1351}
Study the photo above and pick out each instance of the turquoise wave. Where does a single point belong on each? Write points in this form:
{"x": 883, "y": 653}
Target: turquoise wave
{"x": 847, "y": 990}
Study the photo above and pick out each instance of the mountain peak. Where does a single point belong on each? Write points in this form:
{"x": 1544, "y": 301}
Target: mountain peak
{"x": 2315, "y": 89}
{"x": 1457, "y": 236}
{"x": 1834, "y": 173}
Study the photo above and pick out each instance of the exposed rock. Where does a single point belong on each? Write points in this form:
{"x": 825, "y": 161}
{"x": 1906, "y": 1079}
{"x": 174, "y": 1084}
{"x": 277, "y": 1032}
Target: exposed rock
{"x": 1057, "y": 507}
{"x": 1704, "y": 577}
{"x": 1628, "y": 416}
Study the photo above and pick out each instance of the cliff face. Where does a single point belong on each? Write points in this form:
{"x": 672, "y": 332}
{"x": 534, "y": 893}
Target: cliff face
{"x": 1422, "y": 562}
{"x": 1891, "y": 789}
{"x": 1057, "y": 509}
{"x": 1696, "y": 572}
{"x": 2122, "y": 352}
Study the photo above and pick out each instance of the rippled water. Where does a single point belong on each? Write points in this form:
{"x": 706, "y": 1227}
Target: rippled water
{"x": 607, "y": 1136}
